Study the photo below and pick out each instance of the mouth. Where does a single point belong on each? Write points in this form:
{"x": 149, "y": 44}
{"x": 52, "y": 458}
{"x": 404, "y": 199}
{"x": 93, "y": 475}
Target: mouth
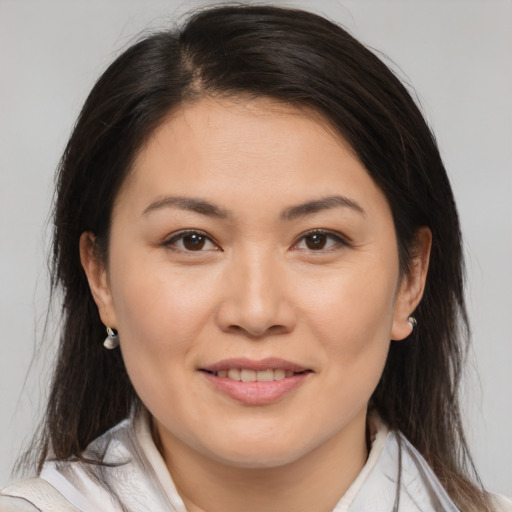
{"x": 256, "y": 382}
{"x": 248, "y": 375}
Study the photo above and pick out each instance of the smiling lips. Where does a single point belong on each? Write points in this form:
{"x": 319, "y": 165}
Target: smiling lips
{"x": 255, "y": 382}
{"x": 246, "y": 375}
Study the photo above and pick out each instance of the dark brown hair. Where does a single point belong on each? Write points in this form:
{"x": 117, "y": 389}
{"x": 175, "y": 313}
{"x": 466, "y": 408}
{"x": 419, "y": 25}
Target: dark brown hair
{"x": 302, "y": 59}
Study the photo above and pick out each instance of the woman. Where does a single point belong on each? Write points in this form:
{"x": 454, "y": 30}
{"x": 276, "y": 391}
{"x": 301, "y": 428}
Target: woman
{"x": 253, "y": 207}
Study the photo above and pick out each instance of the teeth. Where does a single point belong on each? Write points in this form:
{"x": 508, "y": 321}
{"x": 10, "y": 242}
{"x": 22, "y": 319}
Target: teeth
{"x": 248, "y": 375}
{"x": 265, "y": 376}
{"x": 234, "y": 374}
{"x": 279, "y": 374}
{"x": 245, "y": 375}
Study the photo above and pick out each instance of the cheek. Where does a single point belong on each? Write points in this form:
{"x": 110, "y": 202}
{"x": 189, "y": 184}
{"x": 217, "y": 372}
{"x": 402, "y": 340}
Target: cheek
{"x": 352, "y": 315}
{"x": 158, "y": 305}
{"x": 351, "y": 306}
{"x": 160, "y": 315}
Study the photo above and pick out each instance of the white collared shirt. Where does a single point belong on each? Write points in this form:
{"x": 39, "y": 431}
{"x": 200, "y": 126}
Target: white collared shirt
{"x": 395, "y": 478}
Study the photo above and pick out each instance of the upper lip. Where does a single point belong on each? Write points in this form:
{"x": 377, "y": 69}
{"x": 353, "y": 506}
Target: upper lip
{"x": 270, "y": 363}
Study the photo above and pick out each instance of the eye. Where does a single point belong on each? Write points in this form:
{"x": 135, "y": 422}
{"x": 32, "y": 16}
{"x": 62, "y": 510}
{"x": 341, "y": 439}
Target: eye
{"x": 320, "y": 240}
{"x": 191, "y": 241}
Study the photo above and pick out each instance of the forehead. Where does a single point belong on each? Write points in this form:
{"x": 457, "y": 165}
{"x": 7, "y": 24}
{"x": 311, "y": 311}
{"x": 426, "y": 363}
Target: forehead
{"x": 244, "y": 124}
{"x": 240, "y": 151}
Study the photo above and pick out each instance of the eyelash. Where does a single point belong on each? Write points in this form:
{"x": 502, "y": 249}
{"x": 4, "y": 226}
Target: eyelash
{"x": 339, "y": 241}
{"x": 171, "y": 242}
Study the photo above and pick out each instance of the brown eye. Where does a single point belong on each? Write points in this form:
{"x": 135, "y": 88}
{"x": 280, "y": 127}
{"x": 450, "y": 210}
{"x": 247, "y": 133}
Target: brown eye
{"x": 319, "y": 240}
{"x": 191, "y": 241}
{"x": 316, "y": 241}
{"x": 194, "y": 242}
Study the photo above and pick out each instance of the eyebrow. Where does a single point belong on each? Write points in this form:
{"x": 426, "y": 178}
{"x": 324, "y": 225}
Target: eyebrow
{"x": 325, "y": 203}
{"x": 188, "y": 203}
{"x": 204, "y": 207}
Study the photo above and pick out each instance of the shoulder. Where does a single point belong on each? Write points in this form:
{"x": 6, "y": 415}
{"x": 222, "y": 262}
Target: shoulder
{"x": 10, "y": 504}
{"x": 114, "y": 474}
{"x": 502, "y": 503}
{"x": 33, "y": 495}
{"x": 63, "y": 486}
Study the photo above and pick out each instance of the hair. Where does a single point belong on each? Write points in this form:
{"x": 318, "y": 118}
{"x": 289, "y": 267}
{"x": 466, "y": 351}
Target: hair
{"x": 305, "y": 60}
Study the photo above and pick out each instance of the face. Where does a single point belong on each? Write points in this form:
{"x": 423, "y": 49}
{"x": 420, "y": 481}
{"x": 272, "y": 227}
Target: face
{"x": 253, "y": 278}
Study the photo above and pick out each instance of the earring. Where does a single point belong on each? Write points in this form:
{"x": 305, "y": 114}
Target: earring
{"x": 412, "y": 322}
{"x": 112, "y": 340}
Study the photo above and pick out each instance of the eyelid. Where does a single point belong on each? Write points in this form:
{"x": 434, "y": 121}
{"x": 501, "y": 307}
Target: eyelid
{"x": 173, "y": 237}
{"x": 341, "y": 240}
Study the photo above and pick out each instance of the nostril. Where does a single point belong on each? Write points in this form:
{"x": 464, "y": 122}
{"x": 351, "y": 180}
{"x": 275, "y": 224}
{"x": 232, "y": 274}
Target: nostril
{"x": 255, "y": 333}
{"x": 254, "y": 317}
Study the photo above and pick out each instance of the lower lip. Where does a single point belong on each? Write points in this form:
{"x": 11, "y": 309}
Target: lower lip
{"x": 257, "y": 393}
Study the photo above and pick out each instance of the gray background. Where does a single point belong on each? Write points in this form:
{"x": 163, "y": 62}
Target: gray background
{"x": 458, "y": 56}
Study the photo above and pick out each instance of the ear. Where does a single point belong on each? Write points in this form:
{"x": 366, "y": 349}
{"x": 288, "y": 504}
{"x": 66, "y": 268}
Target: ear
{"x": 412, "y": 285}
{"x": 96, "y": 273}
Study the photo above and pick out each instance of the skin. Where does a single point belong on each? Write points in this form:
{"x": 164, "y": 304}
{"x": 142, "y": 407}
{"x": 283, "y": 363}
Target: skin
{"x": 258, "y": 287}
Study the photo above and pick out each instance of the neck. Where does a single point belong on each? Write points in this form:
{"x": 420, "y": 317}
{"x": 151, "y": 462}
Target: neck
{"x": 315, "y": 482}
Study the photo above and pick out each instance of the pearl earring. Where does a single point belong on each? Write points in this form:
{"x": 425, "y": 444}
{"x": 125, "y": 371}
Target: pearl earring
{"x": 412, "y": 322}
{"x": 112, "y": 340}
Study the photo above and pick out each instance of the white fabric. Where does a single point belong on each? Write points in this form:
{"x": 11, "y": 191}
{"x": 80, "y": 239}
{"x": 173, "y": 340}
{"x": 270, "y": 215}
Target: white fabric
{"x": 138, "y": 478}
{"x": 46, "y": 496}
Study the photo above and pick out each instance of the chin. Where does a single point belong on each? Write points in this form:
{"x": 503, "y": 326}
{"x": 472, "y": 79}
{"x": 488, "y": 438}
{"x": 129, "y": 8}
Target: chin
{"x": 260, "y": 454}
{"x": 259, "y": 460}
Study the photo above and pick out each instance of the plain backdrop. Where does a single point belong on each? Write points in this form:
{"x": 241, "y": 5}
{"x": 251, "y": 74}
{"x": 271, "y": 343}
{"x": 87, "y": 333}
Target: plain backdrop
{"x": 458, "y": 56}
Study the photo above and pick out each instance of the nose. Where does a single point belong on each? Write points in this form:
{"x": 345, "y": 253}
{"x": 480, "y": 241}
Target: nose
{"x": 256, "y": 302}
